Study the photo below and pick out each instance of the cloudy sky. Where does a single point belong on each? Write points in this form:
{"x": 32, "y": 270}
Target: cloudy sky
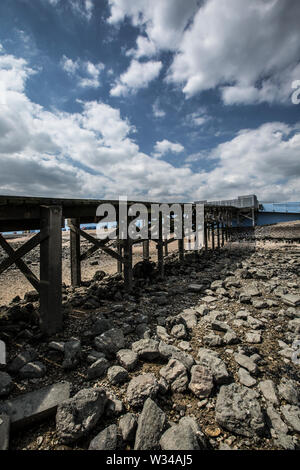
{"x": 160, "y": 100}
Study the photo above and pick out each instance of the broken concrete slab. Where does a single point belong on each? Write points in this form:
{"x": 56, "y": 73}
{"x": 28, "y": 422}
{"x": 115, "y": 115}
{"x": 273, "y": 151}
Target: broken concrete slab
{"x": 35, "y": 405}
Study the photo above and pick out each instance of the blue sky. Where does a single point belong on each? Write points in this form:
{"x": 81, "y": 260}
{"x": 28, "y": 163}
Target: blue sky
{"x": 156, "y": 100}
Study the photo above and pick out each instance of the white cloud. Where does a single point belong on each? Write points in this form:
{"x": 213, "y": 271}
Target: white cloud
{"x": 220, "y": 47}
{"x": 248, "y": 49}
{"x": 163, "y": 21}
{"x": 157, "y": 111}
{"x": 92, "y": 154}
{"x": 197, "y": 119}
{"x": 138, "y": 75}
{"x": 165, "y": 146}
{"x": 144, "y": 48}
{"x": 83, "y": 8}
{"x": 86, "y": 72}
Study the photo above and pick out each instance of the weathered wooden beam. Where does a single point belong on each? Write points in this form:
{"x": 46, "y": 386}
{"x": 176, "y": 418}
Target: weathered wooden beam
{"x": 218, "y": 235}
{"x": 99, "y": 244}
{"x": 51, "y": 319}
{"x": 75, "y": 252}
{"x": 160, "y": 254}
{"x": 222, "y": 231}
{"x": 128, "y": 274}
{"x": 205, "y": 236}
{"x": 146, "y": 250}
{"x": 21, "y": 265}
{"x": 212, "y": 236}
{"x": 18, "y": 254}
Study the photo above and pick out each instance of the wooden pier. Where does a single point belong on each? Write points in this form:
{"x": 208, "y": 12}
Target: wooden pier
{"x": 48, "y": 215}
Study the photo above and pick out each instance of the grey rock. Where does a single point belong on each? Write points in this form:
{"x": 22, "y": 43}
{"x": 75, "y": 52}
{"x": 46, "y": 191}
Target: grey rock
{"x": 291, "y": 414}
{"x": 117, "y": 375}
{"x": 201, "y": 383}
{"x": 186, "y": 435}
{"x": 275, "y": 420}
{"x": 140, "y": 388}
{"x": 25, "y": 356}
{"x": 97, "y": 369}
{"x": 93, "y": 356}
{"x": 110, "y": 342}
{"x": 175, "y": 375}
{"x": 285, "y": 442}
{"x": 289, "y": 391}
{"x": 113, "y": 407}
{"x": 253, "y": 337}
{"x": 146, "y": 349}
{"x": 246, "y": 362}
{"x": 33, "y": 370}
{"x": 195, "y": 288}
{"x": 162, "y": 334}
{"x": 179, "y": 331}
{"x": 108, "y": 439}
{"x": 259, "y": 304}
{"x": 6, "y": 384}
{"x": 128, "y": 424}
{"x": 238, "y": 410}
{"x": 245, "y": 378}
{"x": 212, "y": 340}
{"x": 230, "y": 338}
{"x": 151, "y": 424}
{"x": 291, "y": 299}
{"x": 127, "y": 358}
{"x": 268, "y": 389}
{"x": 72, "y": 350}
{"x": 100, "y": 325}
{"x": 217, "y": 284}
{"x": 78, "y": 415}
{"x": 208, "y": 358}
{"x": 189, "y": 318}
{"x": 168, "y": 351}
{"x": 219, "y": 326}
{"x": 33, "y": 406}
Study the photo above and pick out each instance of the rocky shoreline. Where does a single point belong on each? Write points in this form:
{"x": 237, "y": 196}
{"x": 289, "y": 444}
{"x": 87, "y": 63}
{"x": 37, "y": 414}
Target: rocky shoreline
{"x": 205, "y": 359}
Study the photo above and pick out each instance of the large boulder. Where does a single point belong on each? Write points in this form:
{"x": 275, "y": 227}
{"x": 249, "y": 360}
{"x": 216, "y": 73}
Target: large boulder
{"x": 151, "y": 424}
{"x": 110, "y": 342}
{"x": 78, "y": 415}
{"x": 175, "y": 374}
{"x": 140, "y": 388}
{"x": 238, "y": 410}
{"x": 210, "y": 359}
{"x": 146, "y": 349}
{"x": 108, "y": 439}
{"x": 201, "y": 383}
{"x": 186, "y": 435}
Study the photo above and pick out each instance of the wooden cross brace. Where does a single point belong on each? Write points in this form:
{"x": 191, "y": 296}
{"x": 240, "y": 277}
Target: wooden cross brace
{"x": 14, "y": 257}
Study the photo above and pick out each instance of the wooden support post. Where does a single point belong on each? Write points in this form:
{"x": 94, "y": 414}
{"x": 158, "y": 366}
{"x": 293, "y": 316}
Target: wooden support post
{"x": 218, "y": 235}
{"x": 222, "y": 231}
{"x": 160, "y": 252}
{"x": 127, "y": 250}
{"x": 181, "y": 240}
{"x": 75, "y": 252}
{"x": 205, "y": 237}
{"x": 226, "y": 228}
{"x": 120, "y": 252}
{"x": 166, "y": 248}
{"x": 146, "y": 251}
{"x": 51, "y": 320}
{"x": 212, "y": 236}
